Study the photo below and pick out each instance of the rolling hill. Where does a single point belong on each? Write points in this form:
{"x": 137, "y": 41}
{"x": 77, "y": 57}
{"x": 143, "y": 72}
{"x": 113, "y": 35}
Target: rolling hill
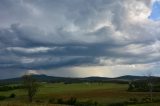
{"x": 67, "y": 80}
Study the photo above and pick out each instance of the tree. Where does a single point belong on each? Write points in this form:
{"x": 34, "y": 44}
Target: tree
{"x": 30, "y": 85}
{"x": 150, "y": 85}
{"x": 130, "y": 86}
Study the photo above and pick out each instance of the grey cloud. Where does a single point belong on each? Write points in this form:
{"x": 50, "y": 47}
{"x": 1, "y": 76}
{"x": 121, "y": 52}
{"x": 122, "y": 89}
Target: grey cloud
{"x": 45, "y": 35}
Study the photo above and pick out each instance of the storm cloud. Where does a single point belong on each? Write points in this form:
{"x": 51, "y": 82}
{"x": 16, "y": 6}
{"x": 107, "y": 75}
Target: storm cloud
{"x": 78, "y": 38}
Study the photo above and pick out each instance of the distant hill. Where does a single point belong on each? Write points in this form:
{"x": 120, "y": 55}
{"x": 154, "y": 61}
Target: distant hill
{"x": 53, "y": 79}
{"x": 130, "y": 77}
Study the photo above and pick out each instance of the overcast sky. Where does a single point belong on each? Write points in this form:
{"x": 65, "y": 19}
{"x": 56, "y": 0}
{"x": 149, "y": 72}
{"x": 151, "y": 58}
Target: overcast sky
{"x": 79, "y": 38}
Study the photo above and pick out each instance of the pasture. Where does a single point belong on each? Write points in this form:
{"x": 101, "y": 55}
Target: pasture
{"x": 102, "y": 93}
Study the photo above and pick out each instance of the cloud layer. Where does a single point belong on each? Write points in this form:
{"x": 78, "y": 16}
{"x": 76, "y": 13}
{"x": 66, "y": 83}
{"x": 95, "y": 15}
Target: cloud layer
{"x": 78, "y": 37}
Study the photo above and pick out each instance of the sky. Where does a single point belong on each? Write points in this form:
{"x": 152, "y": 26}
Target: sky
{"x": 155, "y": 14}
{"x": 79, "y": 38}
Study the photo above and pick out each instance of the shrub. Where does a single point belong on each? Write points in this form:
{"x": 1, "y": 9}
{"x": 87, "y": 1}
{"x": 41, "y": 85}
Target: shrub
{"x": 87, "y": 103}
{"x": 133, "y": 100}
{"x": 71, "y": 101}
{"x": 12, "y": 95}
{"x": 52, "y": 101}
{"x": 9, "y": 88}
{"x": 60, "y": 101}
{"x": 2, "y": 97}
{"x": 117, "y": 104}
{"x": 146, "y": 100}
{"x": 95, "y": 103}
{"x": 39, "y": 101}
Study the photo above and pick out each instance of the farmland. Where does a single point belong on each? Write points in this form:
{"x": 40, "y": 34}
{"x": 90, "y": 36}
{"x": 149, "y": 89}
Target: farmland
{"x": 101, "y": 93}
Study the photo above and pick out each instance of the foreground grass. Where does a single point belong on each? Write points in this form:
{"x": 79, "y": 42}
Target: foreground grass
{"x": 148, "y": 104}
{"x": 26, "y": 104}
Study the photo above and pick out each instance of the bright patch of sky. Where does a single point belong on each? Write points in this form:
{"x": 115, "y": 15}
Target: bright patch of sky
{"x": 155, "y": 12}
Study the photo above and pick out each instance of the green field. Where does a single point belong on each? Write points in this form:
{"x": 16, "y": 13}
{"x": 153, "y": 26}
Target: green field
{"x": 103, "y": 93}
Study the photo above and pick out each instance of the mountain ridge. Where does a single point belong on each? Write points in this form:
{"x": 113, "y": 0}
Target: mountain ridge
{"x": 53, "y": 79}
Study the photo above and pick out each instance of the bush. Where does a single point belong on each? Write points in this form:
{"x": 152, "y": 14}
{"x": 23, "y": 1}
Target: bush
{"x": 71, "y": 101}
{"x": 12, "y": 95}
{"x": 156, "y": 100}
{"x": 2, "y": 97}
{"x": 117, "y": 104}
{"x": 133, "y": 100}
{"x": 52, "y": 101}
{"x": 60, "y": 101}
{"x": 39, "y": 101}
{"x": 87, "y": 103}
{"x": 146, "y": 100}
{"x": 9, "y": 88}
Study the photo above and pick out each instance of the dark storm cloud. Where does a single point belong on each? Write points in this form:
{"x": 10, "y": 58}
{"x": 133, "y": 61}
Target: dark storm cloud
{"x": 51, "y": 34}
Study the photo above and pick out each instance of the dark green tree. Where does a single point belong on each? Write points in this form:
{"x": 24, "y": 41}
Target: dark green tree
{"x": 30, "y": 85}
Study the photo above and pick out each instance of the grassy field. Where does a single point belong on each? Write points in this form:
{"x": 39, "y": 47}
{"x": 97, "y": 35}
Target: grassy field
{"x": 102, "y": 93}
{"x": 148, "y": 104}
{"x": 26, "y": 104}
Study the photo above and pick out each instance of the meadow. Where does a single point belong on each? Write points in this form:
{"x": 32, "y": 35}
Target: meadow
{"x": 100, "y": 93}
